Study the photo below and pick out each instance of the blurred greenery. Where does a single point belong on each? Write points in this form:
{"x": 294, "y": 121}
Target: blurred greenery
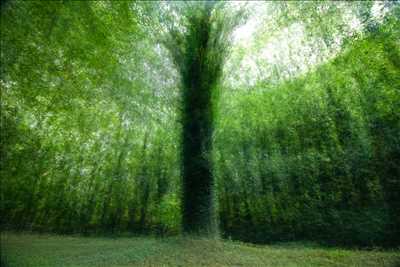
{"x": 306, "y": 142}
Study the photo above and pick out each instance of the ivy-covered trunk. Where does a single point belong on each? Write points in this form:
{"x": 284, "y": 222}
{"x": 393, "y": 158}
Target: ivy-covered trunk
{"x": 197, "y": 118}
{"x": 198, "y": 54}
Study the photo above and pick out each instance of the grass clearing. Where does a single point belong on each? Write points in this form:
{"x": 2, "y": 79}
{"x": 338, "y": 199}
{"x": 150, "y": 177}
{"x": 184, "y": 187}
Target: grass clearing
{"x": 23, "y": 250}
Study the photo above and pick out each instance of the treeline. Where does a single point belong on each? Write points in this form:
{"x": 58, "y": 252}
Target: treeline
{"x": 89, "y": 143}
{"x": 317, "y": 157}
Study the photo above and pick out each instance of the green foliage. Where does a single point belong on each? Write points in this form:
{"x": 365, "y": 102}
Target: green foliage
{"x": 85, "y": 126}
{"x": 91, "y": 124}
{"x": 317, "y": 156}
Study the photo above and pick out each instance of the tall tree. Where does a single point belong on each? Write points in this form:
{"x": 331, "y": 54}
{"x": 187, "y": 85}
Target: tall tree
{"x": 198, "y": 53}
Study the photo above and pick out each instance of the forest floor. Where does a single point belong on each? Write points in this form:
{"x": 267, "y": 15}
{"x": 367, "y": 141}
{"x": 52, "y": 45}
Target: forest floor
{"x": 22, "y": 250}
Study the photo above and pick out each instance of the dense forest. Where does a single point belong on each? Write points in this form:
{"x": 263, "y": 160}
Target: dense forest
{"x": 296, "y": 105}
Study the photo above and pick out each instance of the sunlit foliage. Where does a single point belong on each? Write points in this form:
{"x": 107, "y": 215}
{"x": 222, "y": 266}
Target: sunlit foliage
{"x": 305, "y": 126}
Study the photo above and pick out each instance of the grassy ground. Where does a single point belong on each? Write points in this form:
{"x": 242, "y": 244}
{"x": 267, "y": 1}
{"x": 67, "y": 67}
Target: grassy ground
{"x": 22, "y": 250}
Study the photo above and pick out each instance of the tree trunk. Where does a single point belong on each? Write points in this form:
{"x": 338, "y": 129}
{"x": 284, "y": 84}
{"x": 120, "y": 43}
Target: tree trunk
{"x": 198, "y": 53}
{"x": 198, "y": 198}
